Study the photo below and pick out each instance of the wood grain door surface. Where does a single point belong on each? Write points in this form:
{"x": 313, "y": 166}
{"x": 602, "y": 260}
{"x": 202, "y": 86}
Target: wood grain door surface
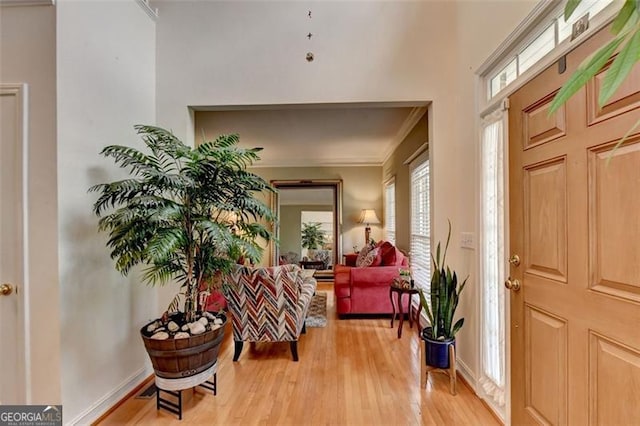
{"x": 575, "y": 224}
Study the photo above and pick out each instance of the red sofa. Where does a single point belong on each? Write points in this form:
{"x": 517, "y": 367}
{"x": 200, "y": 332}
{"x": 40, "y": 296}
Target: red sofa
{"x": 365, "y": 290}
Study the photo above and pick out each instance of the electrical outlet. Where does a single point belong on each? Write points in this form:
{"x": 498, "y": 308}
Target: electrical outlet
{"x": 466, "y": 240}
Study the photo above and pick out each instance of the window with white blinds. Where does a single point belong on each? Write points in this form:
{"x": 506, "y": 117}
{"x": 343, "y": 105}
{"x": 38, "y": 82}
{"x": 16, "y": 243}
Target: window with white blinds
{"x": 492, "y": 374}
{"x": 390, "y": 212}
{"x": 420, "y": 223}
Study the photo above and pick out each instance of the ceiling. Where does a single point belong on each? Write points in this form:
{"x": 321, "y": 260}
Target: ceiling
{"x": 315, "y": 135}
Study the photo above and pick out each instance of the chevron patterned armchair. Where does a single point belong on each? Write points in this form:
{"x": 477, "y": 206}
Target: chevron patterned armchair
{"x": 268, "y": 304}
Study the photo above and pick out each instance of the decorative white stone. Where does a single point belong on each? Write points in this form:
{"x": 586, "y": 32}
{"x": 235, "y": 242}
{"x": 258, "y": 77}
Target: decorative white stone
{"x": 197, "y": 328}
{"x": 215, "y": 326}
{"x": 163, "y": 335}
{"x": 172, "y": 326}
{"x": 185, "y": 327}
{"x": 218, "y": 321}
{"x": 182, "y": 335}
{"x": 209, "y": 315}
{"x": 151, "y": 327}
{"x": 204, "y": 321}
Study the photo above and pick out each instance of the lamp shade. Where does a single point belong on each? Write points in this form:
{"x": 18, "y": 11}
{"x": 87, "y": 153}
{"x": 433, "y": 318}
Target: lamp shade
{"x": 368, "y": 216}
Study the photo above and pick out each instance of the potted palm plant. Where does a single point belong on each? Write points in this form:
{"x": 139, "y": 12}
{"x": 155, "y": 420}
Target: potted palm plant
{"x": 440, "y": 307}
{"x": 186, "y": 215}
{"x": 312, "y": 236}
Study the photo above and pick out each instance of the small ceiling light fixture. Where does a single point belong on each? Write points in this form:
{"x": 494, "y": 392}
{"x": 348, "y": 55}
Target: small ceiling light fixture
{"x": 368, "y": 216}
{"x": 309, "y": 56}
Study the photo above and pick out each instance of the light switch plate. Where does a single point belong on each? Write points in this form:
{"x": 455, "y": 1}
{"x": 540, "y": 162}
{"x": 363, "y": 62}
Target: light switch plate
{"x": 467, "y": 240}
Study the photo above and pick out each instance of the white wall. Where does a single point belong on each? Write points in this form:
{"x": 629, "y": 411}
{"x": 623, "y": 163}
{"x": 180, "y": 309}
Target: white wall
{"x": 245, "y": 53}
{"x": 106, "y": 84}
{"x": 459, "y": 173}
{"x": 27, "y": 55}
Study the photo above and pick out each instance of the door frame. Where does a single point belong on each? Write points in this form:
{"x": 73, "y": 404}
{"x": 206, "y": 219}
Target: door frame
{"x": 21, "y": 94}
{"x": 335, "y": 185}
{"x": 498, "y": 57}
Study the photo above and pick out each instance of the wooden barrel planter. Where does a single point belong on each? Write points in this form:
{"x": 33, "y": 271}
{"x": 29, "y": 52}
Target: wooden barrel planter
{"x": 178, "y": 358}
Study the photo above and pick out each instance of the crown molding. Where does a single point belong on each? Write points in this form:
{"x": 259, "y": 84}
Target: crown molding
{"x": 24, "y": 3}
{"x": 422, "y": 148}
{"x": 144, "y": 4}
{"x": 307, "y": 164}
{"x": 310, "y": 105}
{"x": 409, "y": 123}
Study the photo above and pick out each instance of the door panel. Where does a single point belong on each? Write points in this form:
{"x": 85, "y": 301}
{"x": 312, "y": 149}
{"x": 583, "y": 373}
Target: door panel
{"x": 539, "y": 127}
{"x": 614, "y": 368}
{"x": 12, "y": 116}
{"x": 625, "y": 99}
{"x": 546, "y": 366}
{"x": 575, "y": 353}
{"x": 545, "y": 212}
{"x": 613, "y": 217}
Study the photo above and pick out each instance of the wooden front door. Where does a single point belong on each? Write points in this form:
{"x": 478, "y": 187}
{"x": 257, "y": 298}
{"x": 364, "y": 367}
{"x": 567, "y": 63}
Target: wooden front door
{"x": 575, "y": 225}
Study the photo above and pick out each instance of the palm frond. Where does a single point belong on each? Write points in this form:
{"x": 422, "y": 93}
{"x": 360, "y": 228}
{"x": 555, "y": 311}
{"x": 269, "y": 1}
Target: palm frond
{"x": 164, "y": 243}
{"x": 254, "y": 230}
{"x": 174, "y": 306}
{"x": 162, "y": 141}
{"x": 162, "y": 273}
{"x": 130, "y": 158}
{"x": 115, "y": 193}
{"x": 218, "y": 234}
{"x": 222, "y": 141}
{"x": 168, "y": 214}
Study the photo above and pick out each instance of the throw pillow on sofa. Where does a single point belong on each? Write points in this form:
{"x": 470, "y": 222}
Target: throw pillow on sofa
{"x": 369, "y": 259}
{"x": 362, "y": 254}
{"x": 388, "y": 252}
{"x": 390, "y": 255}
{"x": 378, "y": 259}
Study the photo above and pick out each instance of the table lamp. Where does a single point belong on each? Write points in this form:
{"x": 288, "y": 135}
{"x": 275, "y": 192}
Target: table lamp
{"x": 368, "y": 216}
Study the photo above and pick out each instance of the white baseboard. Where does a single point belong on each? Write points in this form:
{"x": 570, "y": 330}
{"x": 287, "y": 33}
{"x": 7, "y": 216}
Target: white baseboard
{"x": 467, "y": 374}
{"x": 471, "y": 379}
{"x": 101, "y": 406}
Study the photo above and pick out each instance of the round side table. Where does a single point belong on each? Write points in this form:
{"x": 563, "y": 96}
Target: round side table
{"x": 396, "y": 288}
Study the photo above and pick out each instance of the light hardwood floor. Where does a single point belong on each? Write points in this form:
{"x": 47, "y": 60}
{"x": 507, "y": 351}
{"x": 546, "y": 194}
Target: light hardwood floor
{"x": 351, "y": 372}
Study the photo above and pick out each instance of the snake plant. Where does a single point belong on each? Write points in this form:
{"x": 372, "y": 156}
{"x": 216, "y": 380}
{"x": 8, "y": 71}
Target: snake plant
{"x": 443, "y": 297}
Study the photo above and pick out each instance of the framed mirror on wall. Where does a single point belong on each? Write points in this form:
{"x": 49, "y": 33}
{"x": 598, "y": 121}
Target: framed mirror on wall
{"x": 309, "y": 224}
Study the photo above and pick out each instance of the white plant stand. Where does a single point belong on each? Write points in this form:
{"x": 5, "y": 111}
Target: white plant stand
{"x": 207, "y": 379}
